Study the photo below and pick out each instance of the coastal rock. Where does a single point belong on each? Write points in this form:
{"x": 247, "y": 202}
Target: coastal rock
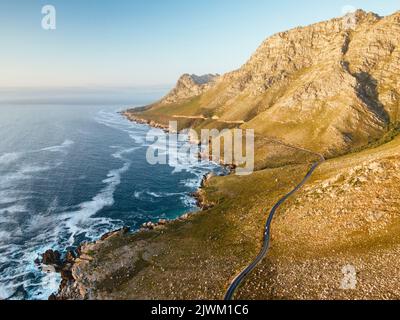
{"x": 118, "y": 232}
{"x": 69, "y": 268}
{"x": 185, "y": 216}
{"x": 51, "y": 258}
{"x": 70, "y": 257}
{"x": 206, "y": 178}
{"x": 199, "y": 195}
{"x": 66, "y": 274}
{"x": 149, "y": 226}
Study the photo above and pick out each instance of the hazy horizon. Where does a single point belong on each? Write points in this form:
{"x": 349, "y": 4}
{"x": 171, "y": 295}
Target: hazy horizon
{"x": 123, "y": 96}
{"x": 145, "y": 43}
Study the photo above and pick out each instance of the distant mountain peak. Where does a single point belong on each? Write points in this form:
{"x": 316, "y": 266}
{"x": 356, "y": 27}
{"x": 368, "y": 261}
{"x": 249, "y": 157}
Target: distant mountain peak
{"x": 189, "y": 86}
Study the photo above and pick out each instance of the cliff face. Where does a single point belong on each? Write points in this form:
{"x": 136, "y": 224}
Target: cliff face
{"x": 329, "y": 87}
{"x": 189, "y": 86}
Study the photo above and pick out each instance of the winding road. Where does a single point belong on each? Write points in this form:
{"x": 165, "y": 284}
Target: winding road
{"x": 264, "y": 250}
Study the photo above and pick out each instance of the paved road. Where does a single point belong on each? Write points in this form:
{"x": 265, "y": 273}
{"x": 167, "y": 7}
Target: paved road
{"x": 242, "y": 276}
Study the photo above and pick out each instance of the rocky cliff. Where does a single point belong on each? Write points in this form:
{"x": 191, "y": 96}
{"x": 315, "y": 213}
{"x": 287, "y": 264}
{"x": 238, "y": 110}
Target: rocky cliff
{"x": 330, "y": 86}
{"x": 189, "y": 86}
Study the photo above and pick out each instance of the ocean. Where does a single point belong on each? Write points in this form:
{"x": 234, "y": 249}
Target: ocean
{"x": 70, "y": 173}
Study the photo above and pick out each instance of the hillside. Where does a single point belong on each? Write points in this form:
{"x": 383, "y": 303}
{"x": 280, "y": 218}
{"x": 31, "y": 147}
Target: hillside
{"x": 189, "y": 86}
{"x": 326, "y": 87}
{"x": 347, "y": 215}
{"x": 323, "y": 87}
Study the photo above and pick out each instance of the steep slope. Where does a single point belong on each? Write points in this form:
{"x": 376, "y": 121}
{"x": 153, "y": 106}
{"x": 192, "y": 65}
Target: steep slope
{"x": 347, "y": 215}
{"x": 189, "y": 86}
{"x": 329, "y": 87}
{"x": 346, "y": 218}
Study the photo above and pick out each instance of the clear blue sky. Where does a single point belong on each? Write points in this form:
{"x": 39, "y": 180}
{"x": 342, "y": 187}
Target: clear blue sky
{"x": 146, "y": 42}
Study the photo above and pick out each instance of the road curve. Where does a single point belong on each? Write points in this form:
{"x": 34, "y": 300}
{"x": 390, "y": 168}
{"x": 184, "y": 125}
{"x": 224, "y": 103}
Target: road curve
{"x": 242, "y": 276}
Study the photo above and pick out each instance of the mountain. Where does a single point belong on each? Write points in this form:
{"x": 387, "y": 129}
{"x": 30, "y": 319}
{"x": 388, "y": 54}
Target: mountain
{"x": 330, "y": 87}
{"x": 189, "y": 86}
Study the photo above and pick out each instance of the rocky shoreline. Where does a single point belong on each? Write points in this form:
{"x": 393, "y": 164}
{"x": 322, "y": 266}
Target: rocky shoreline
{"x": 72, "y": 285}
{"x": 69, "y": 267}
{"x": 150, "y": 123}
{"x": 230, "y": 166}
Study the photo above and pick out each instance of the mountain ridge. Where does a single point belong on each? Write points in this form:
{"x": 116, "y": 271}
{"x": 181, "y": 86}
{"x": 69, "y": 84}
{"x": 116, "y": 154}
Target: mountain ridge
{"x": 188, "y": 86}
{"x": 331, "y": 86}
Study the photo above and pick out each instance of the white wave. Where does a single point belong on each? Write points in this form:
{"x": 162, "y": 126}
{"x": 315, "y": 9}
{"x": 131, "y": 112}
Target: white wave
{"x": 11, "y": 196}
{"x": 155, "y": 195}
{"x": 189, "y": 201}
{"x": 39, "y": 222}
{"x": 139, "y": 139}
{"x": 146, "y": 194}
{"x": 191, "y": 183}
{"x": 163, "y": 194}
{"x": 5, "y": 292}
{"x": 58, "y": 227}
{"x": 49, "y": 284}
{"x": 79, "y": 219}
{"x": 119, "y": 154}
{"x": 8, "y": 158}
{"x": 15, "y": 276}
{"x": 59, "y": 148}
{"x": 4, "y": 235}
{"x": 114, "y": 120}
{"x": 30, "y": 168}
{"x": 13, "y": 209}
{"x": 138, "y": 194}
{"x": 11, "y": 157}
{"x": 24, "y": 172}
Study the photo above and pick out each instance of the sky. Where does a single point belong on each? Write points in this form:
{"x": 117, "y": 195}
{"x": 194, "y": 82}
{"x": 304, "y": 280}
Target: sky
{"x": 144, "y": 43}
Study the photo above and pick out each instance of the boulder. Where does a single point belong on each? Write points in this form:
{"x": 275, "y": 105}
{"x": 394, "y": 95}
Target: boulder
{"x": 51, "y": 258}
{"x": 70, "y": 257}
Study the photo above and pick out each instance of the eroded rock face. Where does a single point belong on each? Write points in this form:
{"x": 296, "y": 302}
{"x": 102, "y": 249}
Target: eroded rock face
{"x": 329, "y": 87}
{"x": 51, "y": 258}
{"x": 318, "y": 85}
{"x": 190, "y": 86}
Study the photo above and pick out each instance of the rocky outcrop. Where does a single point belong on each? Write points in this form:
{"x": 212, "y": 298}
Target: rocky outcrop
{"x": 51, "y": 258}
{"x": 69, "y": 267}
{"x": 329, "y": 87}
{"x": 151, "y": 123}
{"x": 199, "y": 195}
{"x": 190, "y": 86}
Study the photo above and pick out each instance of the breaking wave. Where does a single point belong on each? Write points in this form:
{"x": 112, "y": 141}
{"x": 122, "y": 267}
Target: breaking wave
{"x": 58, "y": 196}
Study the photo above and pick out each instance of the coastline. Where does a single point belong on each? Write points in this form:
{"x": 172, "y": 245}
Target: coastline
{"x": 150, "y": 123}
{"x": 229, "y": 166}
{"x": 70, "y": 268}
{"x": 196, "y": 258}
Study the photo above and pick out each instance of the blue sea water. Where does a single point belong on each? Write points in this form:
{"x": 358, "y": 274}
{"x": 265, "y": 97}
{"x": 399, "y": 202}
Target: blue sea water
{"x": 70, "y": 173}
